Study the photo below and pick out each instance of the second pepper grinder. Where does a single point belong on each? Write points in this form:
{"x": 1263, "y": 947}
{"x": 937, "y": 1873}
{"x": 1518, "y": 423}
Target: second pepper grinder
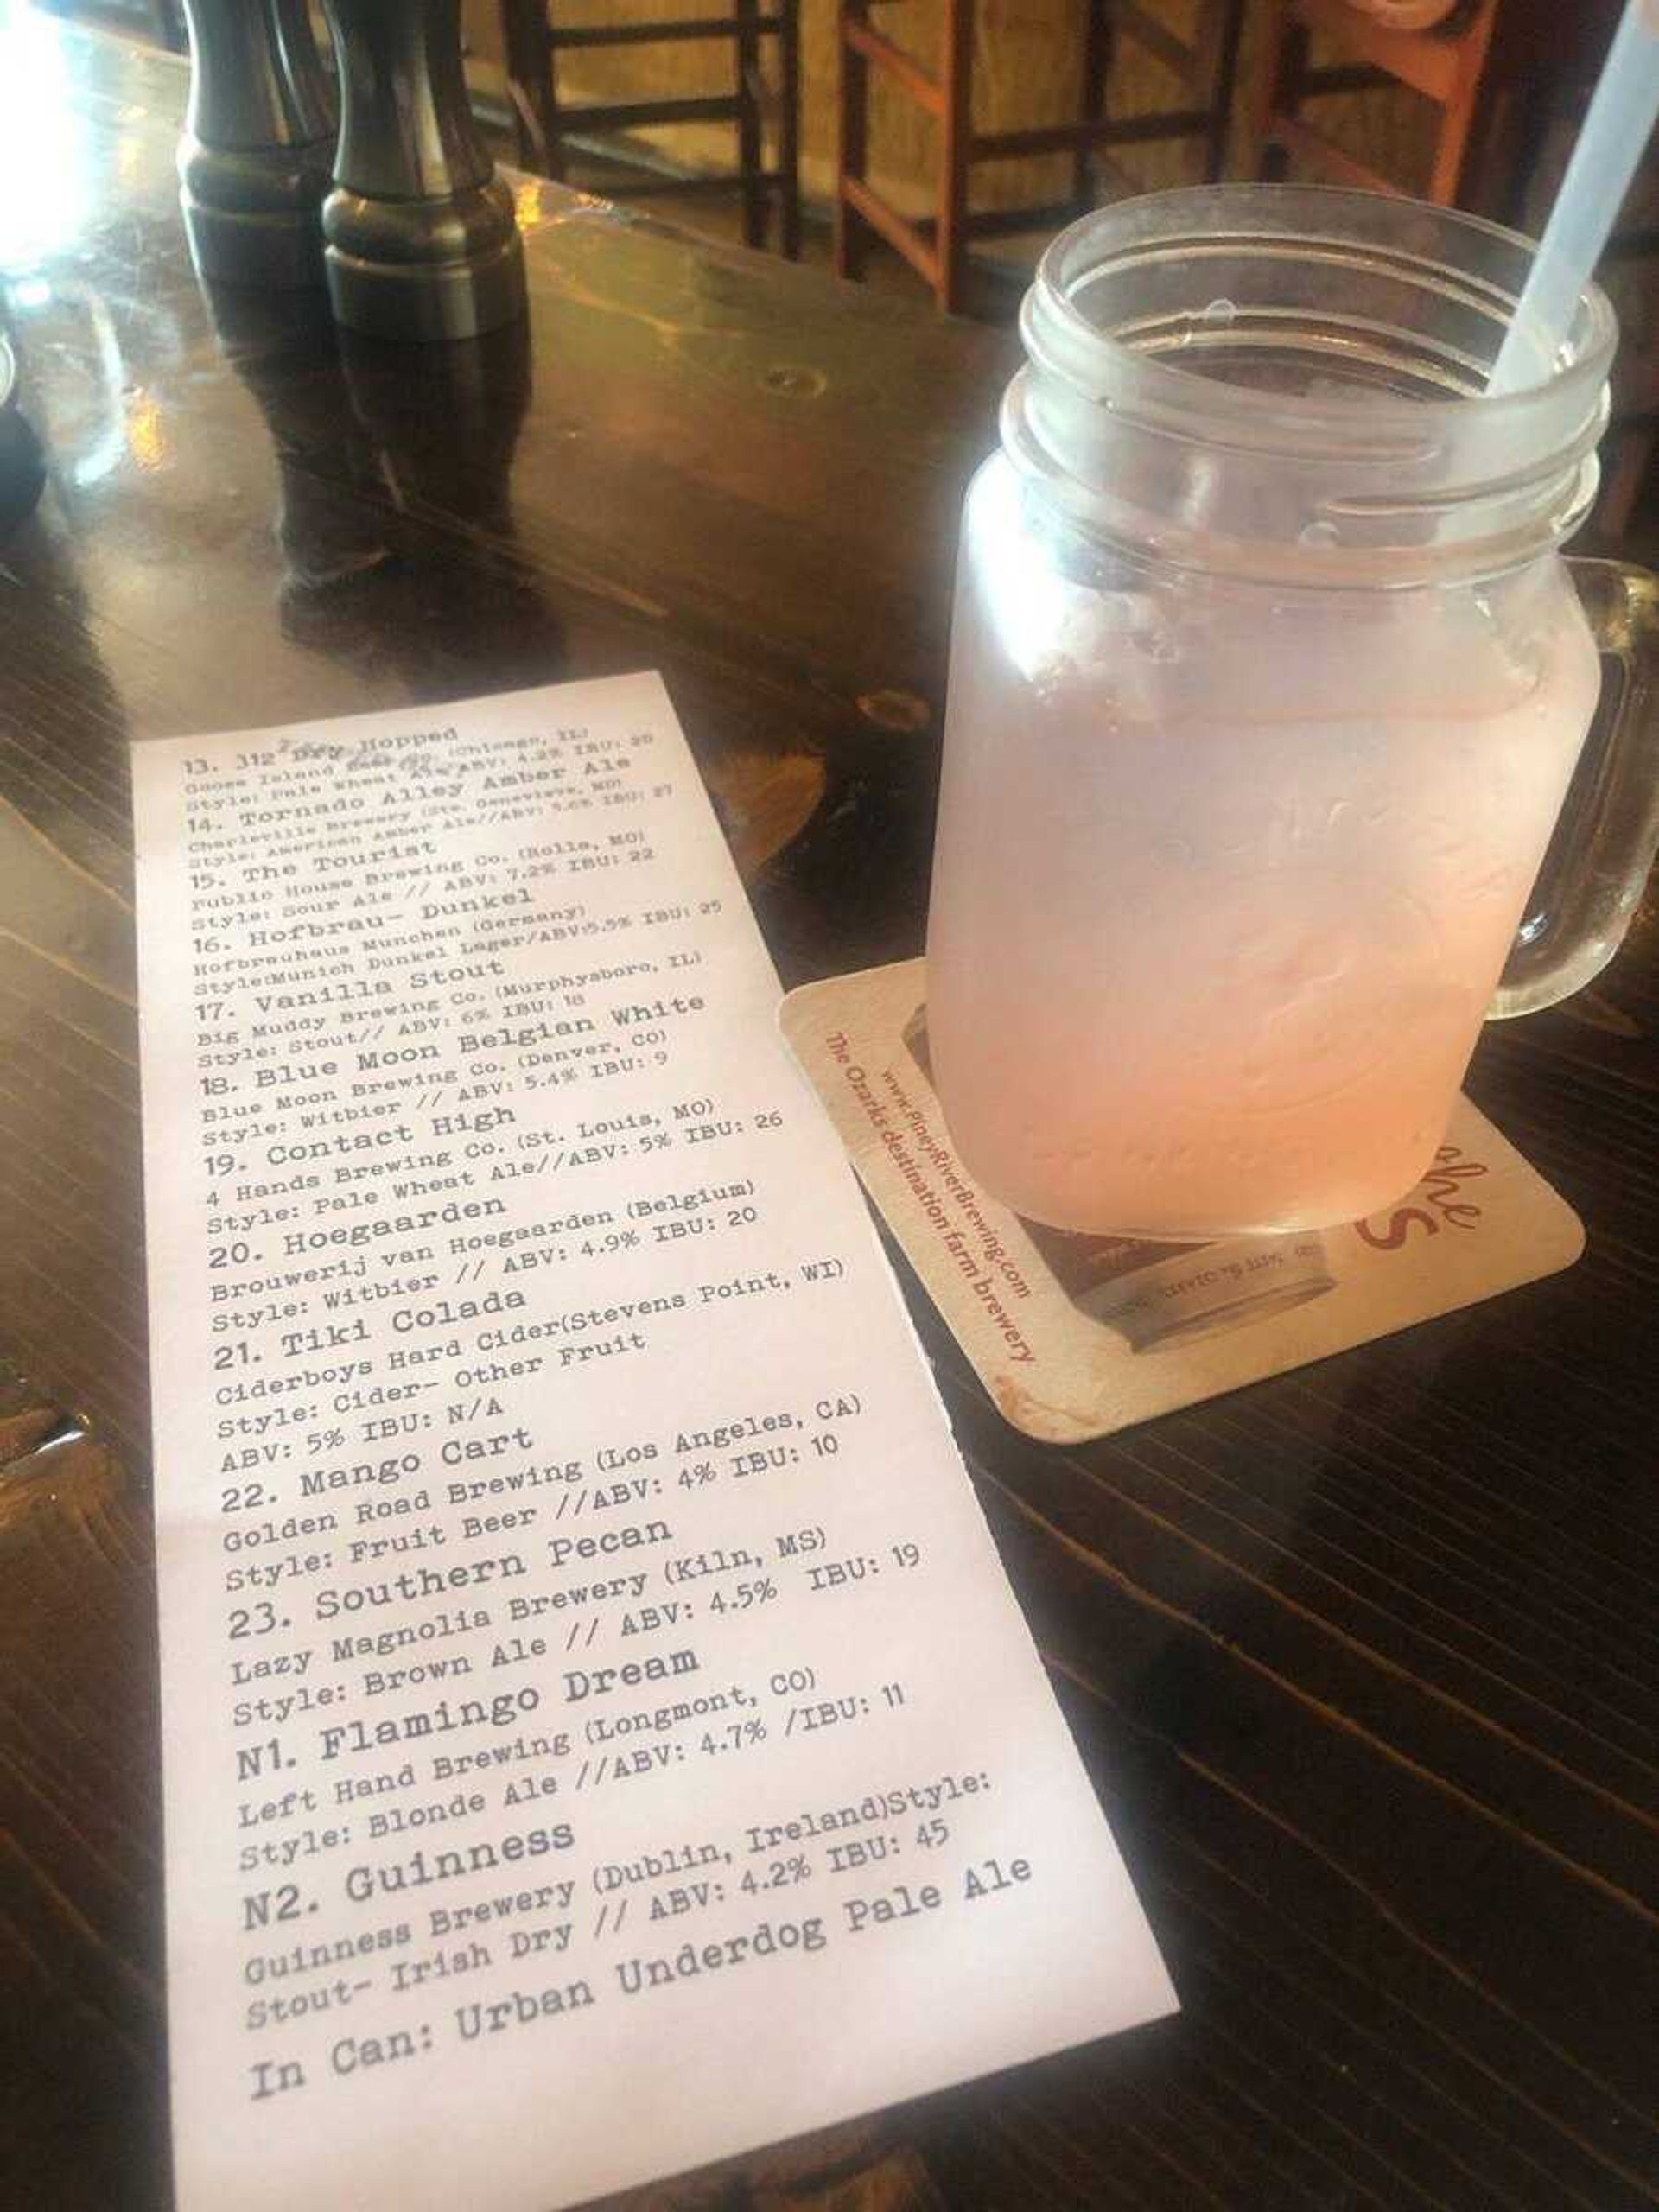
{"x": 421, "y": 240}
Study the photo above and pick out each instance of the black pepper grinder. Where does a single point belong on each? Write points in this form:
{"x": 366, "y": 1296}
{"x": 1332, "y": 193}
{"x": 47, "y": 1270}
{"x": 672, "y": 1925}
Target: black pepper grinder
{"x": 421, "y": 237}
{"x": 259, "y": 137}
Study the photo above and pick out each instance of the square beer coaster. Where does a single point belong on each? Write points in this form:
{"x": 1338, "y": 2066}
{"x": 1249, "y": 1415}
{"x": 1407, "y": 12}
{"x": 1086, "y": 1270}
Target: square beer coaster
{"x": 1079, "y": 1336}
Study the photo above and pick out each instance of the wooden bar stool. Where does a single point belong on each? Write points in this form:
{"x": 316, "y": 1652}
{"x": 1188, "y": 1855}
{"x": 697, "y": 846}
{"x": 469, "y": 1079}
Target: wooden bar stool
{"x": 937, "y": 247}
{"x": 1496, "y": 73}
{"x": 532, "y": 41}
{"x": 1440, "y": 48}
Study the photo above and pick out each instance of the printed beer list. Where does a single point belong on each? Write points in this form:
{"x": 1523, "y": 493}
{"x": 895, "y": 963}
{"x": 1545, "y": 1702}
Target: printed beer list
{"x": 599, "y": 1736}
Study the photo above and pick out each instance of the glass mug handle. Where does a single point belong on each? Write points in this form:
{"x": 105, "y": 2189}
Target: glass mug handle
{"x": 1596, "y": 869}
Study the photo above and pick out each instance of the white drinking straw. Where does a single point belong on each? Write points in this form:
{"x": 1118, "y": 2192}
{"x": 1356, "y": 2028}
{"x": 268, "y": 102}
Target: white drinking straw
{"x": 1615, "y": 134}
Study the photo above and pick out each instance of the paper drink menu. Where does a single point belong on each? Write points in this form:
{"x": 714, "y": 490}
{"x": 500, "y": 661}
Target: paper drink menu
{"x": 599, "y": 1736}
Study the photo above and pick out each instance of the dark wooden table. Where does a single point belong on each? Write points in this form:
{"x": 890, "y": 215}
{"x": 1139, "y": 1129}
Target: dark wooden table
{"x": 1363, "y": 1659}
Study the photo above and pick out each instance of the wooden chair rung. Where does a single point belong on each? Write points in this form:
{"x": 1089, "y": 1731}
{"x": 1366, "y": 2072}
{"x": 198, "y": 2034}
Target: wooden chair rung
{"x": 651, "y": 186}
{"x": 671, "y": 31}
{"x": 905, "y": 237}
{"x": 1068, "y": 137}
{"x": 644, "y": 114}
{"x": 1357, "y": 76}
{"x": 893, "y": 61}
{"x": 1301, "y": 138}
{"x": 1156, "y": 38}
{"x": 1009, "y": 222}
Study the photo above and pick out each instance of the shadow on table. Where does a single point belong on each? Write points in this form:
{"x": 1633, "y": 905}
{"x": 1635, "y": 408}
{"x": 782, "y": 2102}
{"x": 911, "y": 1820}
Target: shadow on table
{"x": 385, "y": 455}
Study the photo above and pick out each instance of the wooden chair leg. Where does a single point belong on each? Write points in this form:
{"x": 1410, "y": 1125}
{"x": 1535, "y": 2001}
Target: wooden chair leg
{"x": 1457, "y": 128}
{"x": 789, "y": 128}
{"x": 750, "y": 157}
{"x": 1221, "y": 28}
{"x": 955, "y": 136}
{"x": 1281, "y": 68}
{"x": 1098, "y": 41}
{"x": 851, "y": 239}
{"x": 529, "y": 56}
{"x": 1512, "y": 135}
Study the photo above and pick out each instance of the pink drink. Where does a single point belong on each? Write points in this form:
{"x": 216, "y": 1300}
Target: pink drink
{"x": 1226, "y": 874}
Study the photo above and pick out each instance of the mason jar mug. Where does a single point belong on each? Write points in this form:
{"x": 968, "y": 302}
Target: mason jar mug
{"x": 1268, "y": 691}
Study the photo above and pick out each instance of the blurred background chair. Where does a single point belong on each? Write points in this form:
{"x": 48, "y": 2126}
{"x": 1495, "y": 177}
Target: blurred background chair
{"x": 1503, "y": 82}
{"x": 533, "y": 40}
{"x": 935, "y": 245}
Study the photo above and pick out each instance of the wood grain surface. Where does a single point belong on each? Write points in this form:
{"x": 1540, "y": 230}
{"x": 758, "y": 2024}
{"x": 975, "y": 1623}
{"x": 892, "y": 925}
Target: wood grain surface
{"x": 1363, "y": 1660}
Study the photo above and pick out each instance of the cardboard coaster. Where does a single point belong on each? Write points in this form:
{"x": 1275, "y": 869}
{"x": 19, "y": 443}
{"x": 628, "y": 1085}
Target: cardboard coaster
{"x": 1076, "y": 1335}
